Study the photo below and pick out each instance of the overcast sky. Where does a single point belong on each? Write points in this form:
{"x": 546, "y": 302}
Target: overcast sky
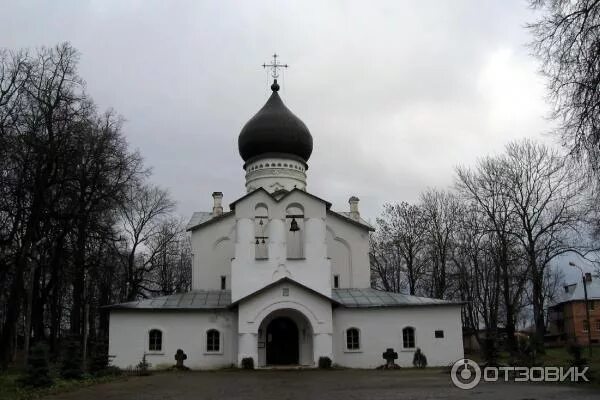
{"x": 394, "y": 93}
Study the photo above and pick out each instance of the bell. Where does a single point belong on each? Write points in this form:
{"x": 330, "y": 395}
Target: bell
{"x": 256, "y": 240}
{"x": 263, "y": 241}
{"x": 294, "y": 226}
{"x": 260, "y": 223}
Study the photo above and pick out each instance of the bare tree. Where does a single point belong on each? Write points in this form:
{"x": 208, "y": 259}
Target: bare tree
{"x": 402, "y": 227}
{"x": 441, "y": 210}
{"x": 172, "y": 263}
{"x": 567, "y": 41}
{"x": 387, "y": 268}
{"x": 66, "y": 178}
{"x": 485, "y": 187}
{"x": 141, "y": 222}
{"x": 549, "y": 202}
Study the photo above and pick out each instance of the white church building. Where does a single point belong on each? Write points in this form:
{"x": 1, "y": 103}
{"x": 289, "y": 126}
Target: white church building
{"x": 282, "y": 278}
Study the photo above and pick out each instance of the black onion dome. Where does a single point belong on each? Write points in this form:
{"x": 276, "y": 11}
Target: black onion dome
{"x": 275, "y": 129}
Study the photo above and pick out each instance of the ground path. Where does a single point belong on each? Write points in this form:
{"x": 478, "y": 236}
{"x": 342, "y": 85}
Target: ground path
{"x": 317, "y": 384}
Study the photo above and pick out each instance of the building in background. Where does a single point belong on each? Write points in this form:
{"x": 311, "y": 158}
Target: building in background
{"x": 567, "y": 319}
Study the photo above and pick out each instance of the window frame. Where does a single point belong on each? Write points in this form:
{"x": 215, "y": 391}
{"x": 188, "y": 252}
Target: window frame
{"x": 207, "y": 350}
{"x": 223, "y": 282}
{"x": 336, "y": 281}
{"x": 160, "y": 350}
{"x": 441, "y": 332}
{"x": 358, "y": 348}
{"x": 414, "y": 338}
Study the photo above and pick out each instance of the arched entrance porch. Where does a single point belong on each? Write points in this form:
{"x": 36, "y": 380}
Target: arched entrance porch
{"x": 285, "y": 337}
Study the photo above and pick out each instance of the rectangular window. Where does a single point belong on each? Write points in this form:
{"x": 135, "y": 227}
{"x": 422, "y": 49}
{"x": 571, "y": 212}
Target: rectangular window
{"x": 591, "y": 305}
{"x": 352, "y": 339}
{"x": 213, "y": 340}
{"x": 408, "y": 338}
{"x": 155, "y": 340}
{"x": 439, "y": 334}
{"x": 336, "y": 281}
{"x": 285, "y": 292}
{"x": 586, "y": 325}
{"x": 223, "y": 282}
{"x": 598, "y": 324}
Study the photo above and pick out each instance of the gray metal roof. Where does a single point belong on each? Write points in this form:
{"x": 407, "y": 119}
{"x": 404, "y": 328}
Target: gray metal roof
{"x": 361, "y": 219}
{"x": 365, "y": 298}
{"x": 194, "y": 300}
{"x": 575, "y": 292}
{"x": 219, "y": 299}
{"x": 198, "y": 218}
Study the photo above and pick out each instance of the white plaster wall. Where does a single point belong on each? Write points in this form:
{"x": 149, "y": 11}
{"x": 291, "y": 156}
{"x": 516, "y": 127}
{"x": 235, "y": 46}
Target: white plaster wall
{"x": 332, "y": 246}
{"x": 382, "y": 328}
{"x": 213, "y": 248}
{"x": 316, "y": 309}
{"x": 250, "y": 274}
{"x": 348, "y": 249}
{"x": 186, "y": 330}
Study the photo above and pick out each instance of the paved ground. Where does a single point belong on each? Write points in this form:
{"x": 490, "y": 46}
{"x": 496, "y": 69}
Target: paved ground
{"x": 315, "y": 384}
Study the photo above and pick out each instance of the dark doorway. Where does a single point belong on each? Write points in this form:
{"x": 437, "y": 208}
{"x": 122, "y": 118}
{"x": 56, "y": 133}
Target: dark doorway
{"x": 282, "y": 342}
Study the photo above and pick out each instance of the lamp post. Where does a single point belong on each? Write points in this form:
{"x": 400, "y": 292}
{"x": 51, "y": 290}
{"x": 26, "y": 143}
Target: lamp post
{"x": 587, "y": 308}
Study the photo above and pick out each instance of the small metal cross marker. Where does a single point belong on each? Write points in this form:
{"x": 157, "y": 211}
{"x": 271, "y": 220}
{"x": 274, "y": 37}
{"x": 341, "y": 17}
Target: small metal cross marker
{"x": 275, "y": 65}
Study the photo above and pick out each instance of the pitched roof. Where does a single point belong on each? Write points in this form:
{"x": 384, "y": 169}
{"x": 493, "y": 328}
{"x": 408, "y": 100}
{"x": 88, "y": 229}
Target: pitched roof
{"x": 221, "y": 299}
{"x": 575, "y": 292}
{"x": 194, "y": 300}
{"x": 346, "y": 217}
{"x": 278, "y": 199}
{"x": 202, "y": 218}
{"x": 198, "y": 218}
{"x": 370, "y": 298}
{"x": 280, "y": 281}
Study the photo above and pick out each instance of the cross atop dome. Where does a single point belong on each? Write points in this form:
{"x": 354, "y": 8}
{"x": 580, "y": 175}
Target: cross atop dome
{"x": 274, "y": 66}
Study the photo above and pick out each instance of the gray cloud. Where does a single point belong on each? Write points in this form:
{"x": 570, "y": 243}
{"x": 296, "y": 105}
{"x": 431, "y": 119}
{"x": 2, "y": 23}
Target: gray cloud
{"x": 395, "y": 93}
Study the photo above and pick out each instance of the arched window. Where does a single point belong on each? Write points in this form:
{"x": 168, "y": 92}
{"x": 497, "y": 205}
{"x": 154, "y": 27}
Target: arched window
{"x": 352, "y": 339}
{"x": 155, "y": 340}
{"x": 408, "y": 338}
{"x": 213, "y": 340}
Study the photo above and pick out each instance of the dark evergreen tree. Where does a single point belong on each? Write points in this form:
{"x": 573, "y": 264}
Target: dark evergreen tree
{"x": 144, "y": 366}
{"x": 71, "y": 360}
{"x": 419, "y": 359}
{"x": 37, "y": 373}
{"x": 99, "y": 360}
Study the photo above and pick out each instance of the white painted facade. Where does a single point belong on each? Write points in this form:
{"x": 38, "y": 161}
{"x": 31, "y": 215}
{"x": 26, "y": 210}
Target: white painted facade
{"x": 128, "y": 337}
{"x": 382, "y": 328}
{"x": 269, "y": 289}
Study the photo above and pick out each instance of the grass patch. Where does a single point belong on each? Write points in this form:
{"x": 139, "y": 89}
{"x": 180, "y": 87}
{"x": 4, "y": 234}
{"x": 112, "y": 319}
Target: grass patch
{"x": 10, "y": 389}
